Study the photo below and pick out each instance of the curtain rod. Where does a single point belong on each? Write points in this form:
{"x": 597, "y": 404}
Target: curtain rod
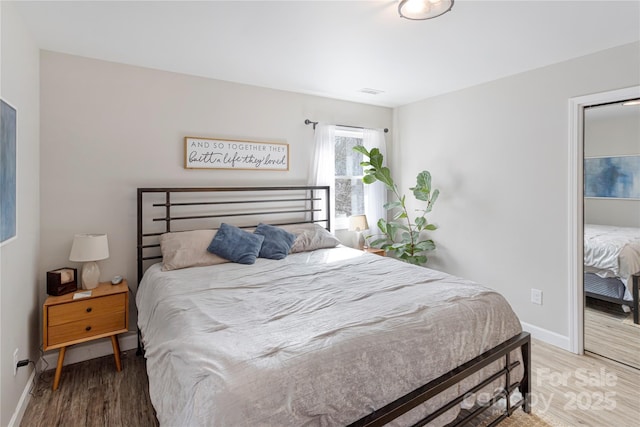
{"x": 309, "y": 122}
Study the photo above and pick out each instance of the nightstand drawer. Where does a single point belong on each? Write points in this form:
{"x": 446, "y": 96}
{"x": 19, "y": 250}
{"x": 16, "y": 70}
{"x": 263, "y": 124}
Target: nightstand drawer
{"x": 86, "y": 310}
{"x": 96, "y": 325}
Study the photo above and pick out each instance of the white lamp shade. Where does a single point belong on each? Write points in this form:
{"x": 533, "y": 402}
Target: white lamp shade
{"x": 358, "y": 223}
{"x": 89, "y": 247}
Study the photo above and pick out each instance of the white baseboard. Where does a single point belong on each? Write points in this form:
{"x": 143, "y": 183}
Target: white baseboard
{"x": 549, "y": 337}
{"x": 90, "y": 350}
{"x": 16, "y": 418}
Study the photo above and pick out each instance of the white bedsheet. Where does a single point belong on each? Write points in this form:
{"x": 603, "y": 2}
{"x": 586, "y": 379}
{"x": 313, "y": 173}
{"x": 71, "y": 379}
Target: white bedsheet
{"x": 283, "y": 343}
{"x": 611, "y": 251}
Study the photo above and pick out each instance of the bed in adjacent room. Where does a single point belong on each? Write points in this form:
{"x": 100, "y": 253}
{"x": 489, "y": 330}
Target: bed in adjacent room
{"x": 325, "y": 335}
{"x": 611, "y": 259}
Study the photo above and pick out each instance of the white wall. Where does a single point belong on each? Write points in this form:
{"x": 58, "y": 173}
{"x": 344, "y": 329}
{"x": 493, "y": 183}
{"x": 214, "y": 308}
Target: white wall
{"x": 19, "y": 280}
{"x": 614, "y": 134}
{"x": 498, "y": 152}
{"x": 109, "y": 128}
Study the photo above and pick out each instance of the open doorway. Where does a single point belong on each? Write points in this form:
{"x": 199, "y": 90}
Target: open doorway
{"x": 575, "y": 217}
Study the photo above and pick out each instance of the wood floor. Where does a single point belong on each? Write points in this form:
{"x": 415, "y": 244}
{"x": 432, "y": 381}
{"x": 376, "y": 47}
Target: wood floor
{"x": 571, "y": 390}
{"x": 94, "y": 394}
{"x": 584, "y": 390}
{"x": 606, "y": 334}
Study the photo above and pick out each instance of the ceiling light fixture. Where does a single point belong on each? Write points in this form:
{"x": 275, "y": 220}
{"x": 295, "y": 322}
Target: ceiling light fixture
{"x": 632, "y": 102}
{"x": 419, "y": 10}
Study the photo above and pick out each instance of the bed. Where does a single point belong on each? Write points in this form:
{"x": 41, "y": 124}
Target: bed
{"x": 328, "y": 335}
{"x": 612, "y": 265}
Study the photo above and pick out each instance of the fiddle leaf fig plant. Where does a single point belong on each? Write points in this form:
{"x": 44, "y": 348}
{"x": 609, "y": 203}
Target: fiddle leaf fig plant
{"x": 401, "y": 235}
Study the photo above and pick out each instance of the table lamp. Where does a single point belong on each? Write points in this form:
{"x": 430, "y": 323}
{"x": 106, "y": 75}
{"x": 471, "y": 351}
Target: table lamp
{"x": 89, "y": 248}
{"x": 358, "y": 223}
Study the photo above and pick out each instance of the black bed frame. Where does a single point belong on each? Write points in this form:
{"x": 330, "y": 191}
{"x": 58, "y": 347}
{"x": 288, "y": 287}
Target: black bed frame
{"x": 635, "y": 304}
{"x": 161, "y": 210}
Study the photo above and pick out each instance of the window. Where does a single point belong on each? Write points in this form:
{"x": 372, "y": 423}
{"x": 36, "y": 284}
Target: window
{"x": 349, "y": 188}
{"x": 334, "y": 163}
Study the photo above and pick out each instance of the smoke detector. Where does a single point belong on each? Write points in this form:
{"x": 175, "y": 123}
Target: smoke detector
{"x": 370, "y": 91}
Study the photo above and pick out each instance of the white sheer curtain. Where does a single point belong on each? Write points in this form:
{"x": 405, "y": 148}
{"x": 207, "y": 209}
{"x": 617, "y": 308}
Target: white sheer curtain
{"x": 323, "y": 163}
{"x": 375, "y": 195}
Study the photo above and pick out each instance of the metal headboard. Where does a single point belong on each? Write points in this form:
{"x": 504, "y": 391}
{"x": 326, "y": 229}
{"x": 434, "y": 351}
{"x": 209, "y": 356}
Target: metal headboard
{"x": 162, "y": 210}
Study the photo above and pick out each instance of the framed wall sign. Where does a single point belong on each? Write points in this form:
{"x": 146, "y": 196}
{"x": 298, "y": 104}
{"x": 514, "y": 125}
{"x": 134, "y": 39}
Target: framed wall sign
{"x": 212, "y": 153}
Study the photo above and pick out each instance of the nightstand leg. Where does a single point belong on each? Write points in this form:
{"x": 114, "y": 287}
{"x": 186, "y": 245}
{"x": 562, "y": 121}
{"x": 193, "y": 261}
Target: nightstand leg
{"x": 116, "y": 352}
{"x": 56, "y": 378}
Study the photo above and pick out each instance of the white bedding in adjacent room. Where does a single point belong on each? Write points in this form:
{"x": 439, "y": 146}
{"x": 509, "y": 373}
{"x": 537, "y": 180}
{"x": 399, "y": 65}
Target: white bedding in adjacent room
{"x": 319, "y": 338}
{"x": 611, "y": 251}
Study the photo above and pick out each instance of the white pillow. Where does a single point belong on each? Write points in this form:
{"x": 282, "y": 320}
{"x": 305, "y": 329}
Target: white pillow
{"x": 184, "y": 249}
{"x": 310, "y": 237}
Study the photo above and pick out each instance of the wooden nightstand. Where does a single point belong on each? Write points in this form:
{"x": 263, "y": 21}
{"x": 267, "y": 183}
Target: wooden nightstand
{"x": 376, "y": 251}
{"x": 67, "y": 321}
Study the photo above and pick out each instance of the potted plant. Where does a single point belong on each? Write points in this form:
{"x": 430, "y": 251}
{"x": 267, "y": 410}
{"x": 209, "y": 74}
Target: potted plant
{"x": 402, "y": 236}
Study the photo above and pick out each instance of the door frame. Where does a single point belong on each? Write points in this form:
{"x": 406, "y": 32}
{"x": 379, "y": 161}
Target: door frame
{"x": 576, "y": 206}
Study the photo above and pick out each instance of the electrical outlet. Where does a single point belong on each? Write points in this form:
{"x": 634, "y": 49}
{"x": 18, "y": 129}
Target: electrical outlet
{"x": 15, "y": 362}
{"x": 536, "y": 296}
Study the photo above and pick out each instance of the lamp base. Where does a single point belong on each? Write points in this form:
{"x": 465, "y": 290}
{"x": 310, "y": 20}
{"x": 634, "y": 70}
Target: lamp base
{"x": 90, "y": 275}
{"x": 360, "y": 240}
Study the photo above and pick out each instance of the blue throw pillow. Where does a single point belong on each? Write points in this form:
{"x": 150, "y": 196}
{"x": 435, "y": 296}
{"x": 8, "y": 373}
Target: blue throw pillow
{"x": 236, "y": 245}
{"x": 277, "y": 241}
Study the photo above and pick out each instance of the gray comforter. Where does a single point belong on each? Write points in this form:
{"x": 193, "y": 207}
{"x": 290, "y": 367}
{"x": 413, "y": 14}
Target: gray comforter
{"x": 319, "y": 338}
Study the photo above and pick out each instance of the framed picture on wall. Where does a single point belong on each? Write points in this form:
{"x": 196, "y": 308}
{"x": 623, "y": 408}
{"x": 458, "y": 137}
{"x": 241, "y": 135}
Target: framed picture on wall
{"x": 615, "y": 177}
{"x": 7, "y": 172}
{"x": 212, "y": 153}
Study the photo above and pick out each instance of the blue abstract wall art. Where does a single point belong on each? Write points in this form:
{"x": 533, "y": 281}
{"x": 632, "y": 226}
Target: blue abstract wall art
{"x": 613, "y": 177}
{"x": 7, "y": 172}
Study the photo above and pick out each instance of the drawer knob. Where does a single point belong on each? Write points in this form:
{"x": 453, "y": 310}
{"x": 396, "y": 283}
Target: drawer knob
{"x": 89, "y": 309}
{"x": 88, "y": 328}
